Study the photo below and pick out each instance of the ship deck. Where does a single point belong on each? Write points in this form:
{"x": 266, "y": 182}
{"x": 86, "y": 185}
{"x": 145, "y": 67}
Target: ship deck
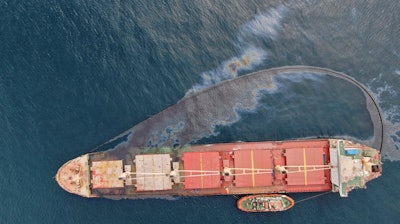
{"x": 219, "y": 169}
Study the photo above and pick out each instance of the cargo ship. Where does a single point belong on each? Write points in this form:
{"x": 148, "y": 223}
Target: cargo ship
{"x": 240, "y": 168}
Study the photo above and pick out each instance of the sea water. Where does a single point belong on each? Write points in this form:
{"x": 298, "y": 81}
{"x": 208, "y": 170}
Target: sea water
{"x": 74, "y": 75}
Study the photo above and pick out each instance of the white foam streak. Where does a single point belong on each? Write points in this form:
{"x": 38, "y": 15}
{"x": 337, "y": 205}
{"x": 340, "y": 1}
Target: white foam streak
{"x": 266, "y": 25}
{"x": 391, "y": 139}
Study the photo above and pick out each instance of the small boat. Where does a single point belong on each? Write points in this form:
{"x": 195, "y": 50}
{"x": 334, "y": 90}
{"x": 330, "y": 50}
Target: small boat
{"x": 265, "y": 203}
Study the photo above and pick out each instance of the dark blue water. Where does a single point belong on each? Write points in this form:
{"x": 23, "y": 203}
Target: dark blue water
{"x": 75, "y": 74}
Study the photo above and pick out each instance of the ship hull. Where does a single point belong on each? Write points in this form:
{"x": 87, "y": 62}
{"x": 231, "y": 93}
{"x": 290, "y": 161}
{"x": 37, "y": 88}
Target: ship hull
{"x": 239, "y": 168}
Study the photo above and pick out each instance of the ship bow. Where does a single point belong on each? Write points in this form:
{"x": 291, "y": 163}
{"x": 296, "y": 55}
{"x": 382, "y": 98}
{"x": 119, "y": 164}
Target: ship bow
{"x": 73, "y": 176}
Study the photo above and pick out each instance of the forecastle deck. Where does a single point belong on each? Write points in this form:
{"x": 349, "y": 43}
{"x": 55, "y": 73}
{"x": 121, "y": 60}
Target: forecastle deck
{"x": 229, "y": 168}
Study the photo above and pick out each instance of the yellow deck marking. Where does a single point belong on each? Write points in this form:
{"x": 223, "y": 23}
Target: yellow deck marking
{"x": 252, "y": 168}
{"x": 201, "y": 168}
{"x": 305, "y": 166}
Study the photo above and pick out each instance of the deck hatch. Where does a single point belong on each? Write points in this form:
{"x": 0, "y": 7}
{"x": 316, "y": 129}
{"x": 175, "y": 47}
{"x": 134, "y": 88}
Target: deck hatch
{"x": 105, "y": 174}
{"x": 152, "y": 172}
{"x": 305, "y": 159}
{"x": 202, "y": 170}
{"x": 253, "y": 168}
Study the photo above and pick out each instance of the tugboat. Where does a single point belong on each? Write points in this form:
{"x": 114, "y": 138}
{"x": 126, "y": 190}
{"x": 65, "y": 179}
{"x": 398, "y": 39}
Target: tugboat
{"x": 265, "y": 203}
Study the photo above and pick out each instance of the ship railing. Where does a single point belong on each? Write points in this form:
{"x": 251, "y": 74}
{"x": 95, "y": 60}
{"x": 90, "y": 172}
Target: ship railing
{"x": 302, "y": 168}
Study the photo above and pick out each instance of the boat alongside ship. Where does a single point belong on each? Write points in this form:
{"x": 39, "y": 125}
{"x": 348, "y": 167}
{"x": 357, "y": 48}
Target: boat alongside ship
{"x": 241, "y": 168}
{"x": 265, "y": 203}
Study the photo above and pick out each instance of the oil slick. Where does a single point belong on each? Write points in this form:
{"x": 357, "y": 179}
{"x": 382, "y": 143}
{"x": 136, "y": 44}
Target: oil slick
{"x": 210, "y": 103}
{"x": 263, "y": 26}
{"x": 160, "y": 137}
{"x": 248, "y": 60}
{"x": 198, "y": 115}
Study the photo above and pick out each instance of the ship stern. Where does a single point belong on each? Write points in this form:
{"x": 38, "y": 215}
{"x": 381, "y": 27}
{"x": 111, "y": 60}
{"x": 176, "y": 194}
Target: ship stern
{"x": 353, "y": 165}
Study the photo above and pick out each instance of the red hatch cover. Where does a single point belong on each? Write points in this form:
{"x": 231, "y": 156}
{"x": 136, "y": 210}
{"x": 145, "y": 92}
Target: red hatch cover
{"x": 253, "y": 168}
{"x": 202, "y": 170}
{"x": 305, "y": 158}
